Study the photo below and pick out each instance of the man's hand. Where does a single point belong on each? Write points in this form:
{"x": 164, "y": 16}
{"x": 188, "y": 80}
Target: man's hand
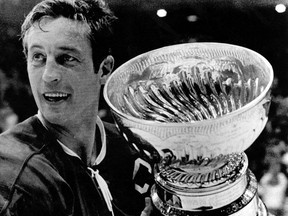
{"x": 148, "y": 207}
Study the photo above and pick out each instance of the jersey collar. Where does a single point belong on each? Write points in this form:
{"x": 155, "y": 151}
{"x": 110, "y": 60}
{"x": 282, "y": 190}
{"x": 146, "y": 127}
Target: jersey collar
{"x": 68, "y": 151}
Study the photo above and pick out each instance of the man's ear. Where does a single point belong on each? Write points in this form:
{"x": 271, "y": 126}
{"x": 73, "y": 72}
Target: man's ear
{"x": 106, "y": 68}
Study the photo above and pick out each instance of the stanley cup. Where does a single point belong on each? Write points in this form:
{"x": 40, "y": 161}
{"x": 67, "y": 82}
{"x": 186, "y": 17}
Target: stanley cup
{"x": 196, "y": 107}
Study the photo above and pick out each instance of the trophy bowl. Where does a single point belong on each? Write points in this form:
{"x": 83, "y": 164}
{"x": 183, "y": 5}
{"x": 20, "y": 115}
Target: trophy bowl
{"x": 198, "y": 107}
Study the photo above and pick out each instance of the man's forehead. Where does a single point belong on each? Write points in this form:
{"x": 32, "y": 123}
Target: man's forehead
{"x": 60, "y": 27}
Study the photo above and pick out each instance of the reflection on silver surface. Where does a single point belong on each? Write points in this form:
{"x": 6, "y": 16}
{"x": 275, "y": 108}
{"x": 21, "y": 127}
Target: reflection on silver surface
{"x": 225, "y": 170}
{"x": 195, "y": 108}
{"x": 246, "y": 204}
{"x": 192, "y": 90}
{"x": 199, "y": 100}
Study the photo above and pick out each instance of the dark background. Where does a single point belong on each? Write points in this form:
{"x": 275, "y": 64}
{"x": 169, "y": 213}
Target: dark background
{"x": 252, "y": 24}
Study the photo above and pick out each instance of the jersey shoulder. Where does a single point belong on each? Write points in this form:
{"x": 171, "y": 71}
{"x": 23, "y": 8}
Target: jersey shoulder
{"x": 22, "y": 165}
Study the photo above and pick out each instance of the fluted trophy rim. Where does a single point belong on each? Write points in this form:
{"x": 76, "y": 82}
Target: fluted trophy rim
{"x": 240, "y": 110}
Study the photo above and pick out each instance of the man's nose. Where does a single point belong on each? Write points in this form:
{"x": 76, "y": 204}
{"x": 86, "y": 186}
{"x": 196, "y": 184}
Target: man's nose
{"x": 52, "y": 73}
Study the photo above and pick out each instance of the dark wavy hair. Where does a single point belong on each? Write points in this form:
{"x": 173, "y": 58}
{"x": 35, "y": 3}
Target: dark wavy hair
{"x": 95, "y": 13}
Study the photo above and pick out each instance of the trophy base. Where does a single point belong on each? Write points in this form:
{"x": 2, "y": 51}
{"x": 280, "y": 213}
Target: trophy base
{"x": 203, "y": 173}
{"x": 247, "y": 204}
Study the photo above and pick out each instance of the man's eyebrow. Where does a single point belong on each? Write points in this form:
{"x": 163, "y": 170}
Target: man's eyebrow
{"x": 62, "y": 48}
{"x": 70, "y": 49}
{"x": 35, "y": 46}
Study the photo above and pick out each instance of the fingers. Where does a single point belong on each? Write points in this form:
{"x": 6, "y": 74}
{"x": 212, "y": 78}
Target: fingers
{"x": 148, "y": 207}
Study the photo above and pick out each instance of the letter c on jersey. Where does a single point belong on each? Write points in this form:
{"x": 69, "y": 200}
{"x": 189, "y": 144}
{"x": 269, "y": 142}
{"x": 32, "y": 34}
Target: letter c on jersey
{"x": 141, "y": 169}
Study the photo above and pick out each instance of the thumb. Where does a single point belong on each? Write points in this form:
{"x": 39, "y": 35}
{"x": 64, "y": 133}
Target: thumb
{"x": 148, "y": 207}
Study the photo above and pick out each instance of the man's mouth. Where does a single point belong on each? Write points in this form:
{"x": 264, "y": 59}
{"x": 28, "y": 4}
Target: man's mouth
{"x": 55, "y": 97}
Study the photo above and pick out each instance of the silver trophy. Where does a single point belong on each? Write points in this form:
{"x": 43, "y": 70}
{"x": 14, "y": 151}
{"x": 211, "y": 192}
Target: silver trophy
{"x": 197, "y": 107}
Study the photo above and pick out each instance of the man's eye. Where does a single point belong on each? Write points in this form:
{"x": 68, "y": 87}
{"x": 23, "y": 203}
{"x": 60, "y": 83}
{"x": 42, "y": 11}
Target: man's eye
{"x": 38, "y": 58}
{"x": 69, "y": 58}
{"x": 66, "y": 59}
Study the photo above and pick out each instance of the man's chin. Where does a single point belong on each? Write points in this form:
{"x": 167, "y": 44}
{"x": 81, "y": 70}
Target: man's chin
{"x": 55, "y": 118}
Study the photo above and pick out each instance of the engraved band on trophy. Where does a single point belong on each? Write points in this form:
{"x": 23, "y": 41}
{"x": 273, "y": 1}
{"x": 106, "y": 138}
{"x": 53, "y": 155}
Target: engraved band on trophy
{"x": 199, "y": 106}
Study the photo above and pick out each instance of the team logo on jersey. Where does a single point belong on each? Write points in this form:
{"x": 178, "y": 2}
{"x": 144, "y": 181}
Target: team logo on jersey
{"x": 141, "y": 175}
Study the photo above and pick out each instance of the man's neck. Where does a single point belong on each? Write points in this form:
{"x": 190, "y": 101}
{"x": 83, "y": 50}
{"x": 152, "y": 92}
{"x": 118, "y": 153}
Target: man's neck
{"x": 79, "y": 139}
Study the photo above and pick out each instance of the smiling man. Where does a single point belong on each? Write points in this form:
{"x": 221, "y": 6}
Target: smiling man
{"x": 64, "y": 84}
{"x": 65, "y": 160}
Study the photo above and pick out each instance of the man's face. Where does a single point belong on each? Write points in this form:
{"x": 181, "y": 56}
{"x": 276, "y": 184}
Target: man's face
{"x": 61, "y": 71}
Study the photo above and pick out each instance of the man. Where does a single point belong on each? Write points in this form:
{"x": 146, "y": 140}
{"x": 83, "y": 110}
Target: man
{"x": 65, "y": 160}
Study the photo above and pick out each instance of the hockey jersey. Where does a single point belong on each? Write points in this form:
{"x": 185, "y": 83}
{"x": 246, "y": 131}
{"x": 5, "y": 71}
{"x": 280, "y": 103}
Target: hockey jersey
{"x": 37, "y": 176}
